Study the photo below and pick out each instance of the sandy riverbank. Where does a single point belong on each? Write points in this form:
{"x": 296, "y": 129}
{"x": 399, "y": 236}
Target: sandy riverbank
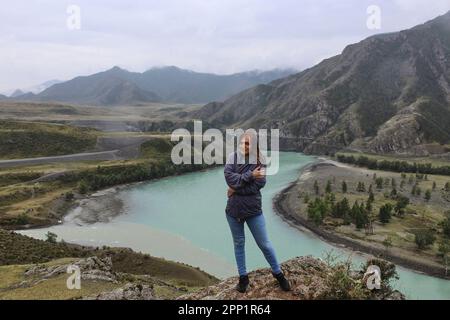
{"x": 286, "y": 204}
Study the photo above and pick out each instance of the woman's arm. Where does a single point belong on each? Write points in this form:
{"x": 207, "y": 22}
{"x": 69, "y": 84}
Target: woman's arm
{"x": 236, "y": 180}
{"x": 247, "y": 183}
{"x": 251, "y": 188}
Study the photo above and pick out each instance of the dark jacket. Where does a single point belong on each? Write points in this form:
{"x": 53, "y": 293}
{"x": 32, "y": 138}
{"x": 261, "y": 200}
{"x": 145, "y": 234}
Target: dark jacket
{"x": 246, "y": 201}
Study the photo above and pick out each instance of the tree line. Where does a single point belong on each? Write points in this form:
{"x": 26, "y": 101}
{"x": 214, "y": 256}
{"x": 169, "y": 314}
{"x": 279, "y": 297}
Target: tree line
{"x": 394, "y": 165}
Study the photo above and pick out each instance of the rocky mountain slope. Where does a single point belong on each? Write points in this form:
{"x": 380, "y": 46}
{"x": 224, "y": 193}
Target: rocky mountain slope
{"x": 389, "y": 93}
{"x": 117, "y": 86}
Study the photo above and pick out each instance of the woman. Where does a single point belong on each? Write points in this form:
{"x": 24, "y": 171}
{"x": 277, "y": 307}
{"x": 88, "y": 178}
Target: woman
{"x": 245, "y": 178}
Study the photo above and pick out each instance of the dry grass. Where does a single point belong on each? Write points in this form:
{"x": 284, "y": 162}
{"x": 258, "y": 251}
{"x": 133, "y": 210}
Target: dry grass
{"x": 420, "y": 213}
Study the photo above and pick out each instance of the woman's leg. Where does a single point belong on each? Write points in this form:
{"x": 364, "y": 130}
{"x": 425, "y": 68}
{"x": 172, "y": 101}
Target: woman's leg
{"x": 257, "y": 226}
{"x": 237, "y": 231}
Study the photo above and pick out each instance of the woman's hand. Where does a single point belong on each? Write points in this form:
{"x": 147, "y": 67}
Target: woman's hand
{"x": 259, "y": 173}
{"x": 230, "y": 192}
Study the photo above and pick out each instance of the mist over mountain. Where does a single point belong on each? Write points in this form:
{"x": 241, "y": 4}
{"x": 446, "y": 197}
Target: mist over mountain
{"x": 389, "y": 93}
{"x": 17, "y": 93}
{"x": 117, "y": 86}
{"x": 42, "y": 86}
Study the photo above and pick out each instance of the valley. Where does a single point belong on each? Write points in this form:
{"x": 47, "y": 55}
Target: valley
{"x": 365, "y": 171}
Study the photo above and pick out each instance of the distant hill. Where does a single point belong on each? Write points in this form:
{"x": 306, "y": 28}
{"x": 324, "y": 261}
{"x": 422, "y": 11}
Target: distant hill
{"x": 117, "y": 86}
{"x": 178, "y": 85}
{"x": 104, "y": 88}
{"x": 17, "y": 93}
{"x": 42, "y": 86}
{"x": 2, "y": 97}
{"x": 389, "y": 93}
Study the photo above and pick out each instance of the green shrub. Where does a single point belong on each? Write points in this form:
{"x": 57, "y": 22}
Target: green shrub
{"x": 50, "y": 237}
{"x": 22, "y": 219}
{"x": 385, "y": 213}
{"x": 424, "y": 238}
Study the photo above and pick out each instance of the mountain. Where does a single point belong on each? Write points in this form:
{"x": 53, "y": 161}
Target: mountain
{"x": 17, "y": 93}
{"x": 389, "y": 93}
{"x": 169, "y": 84}
{"x": 184, "y": 86}
{"x": 104, "y": 88}
{"x": 41, "y": 87}
{"x": 2, "y": 97}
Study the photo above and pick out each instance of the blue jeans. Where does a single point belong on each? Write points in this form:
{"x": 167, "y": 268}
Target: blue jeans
{"x": 257, "y": 226}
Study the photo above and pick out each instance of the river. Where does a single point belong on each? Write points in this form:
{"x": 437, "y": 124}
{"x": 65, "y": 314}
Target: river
{"x": 182, "y": 218}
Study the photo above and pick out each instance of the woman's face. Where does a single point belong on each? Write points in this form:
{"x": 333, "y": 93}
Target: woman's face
{"x": 245, "y": 145}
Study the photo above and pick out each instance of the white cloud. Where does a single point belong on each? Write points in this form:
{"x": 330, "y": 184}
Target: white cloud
{"x": 204, "y": 35}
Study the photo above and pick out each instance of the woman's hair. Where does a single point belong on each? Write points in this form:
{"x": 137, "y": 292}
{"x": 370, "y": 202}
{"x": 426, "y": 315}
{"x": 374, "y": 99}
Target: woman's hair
{"x": 252, "y": 137}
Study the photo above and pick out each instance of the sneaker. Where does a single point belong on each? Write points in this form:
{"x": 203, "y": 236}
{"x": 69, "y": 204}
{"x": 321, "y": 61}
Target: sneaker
{"x": 282, "y": 281}
{"x": 243, "y": 284}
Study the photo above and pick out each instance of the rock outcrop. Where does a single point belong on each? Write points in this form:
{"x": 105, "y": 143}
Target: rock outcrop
{"x": 92, "y": 268}
{"x": 310, "y": 279}
{"x": 130, "y": 291}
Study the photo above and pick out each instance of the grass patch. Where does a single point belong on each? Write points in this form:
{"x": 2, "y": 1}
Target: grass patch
{"x": 32, "y": 139}
{"x": 179, "y": 274}
{"x": 56, "y": 289}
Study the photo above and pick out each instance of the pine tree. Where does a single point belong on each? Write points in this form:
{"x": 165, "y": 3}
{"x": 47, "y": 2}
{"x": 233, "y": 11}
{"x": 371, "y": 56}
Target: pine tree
{"x": 427, "y": 195}
{"x": 306, "y": 198}
{"x": 413, "y": 190}
{"x": 328, "y": 187}
{"x": 385, "y": 213}
{"x": 393, "y": 183}
{"x": 418, "y": 191}
{"x": 361, "y": 187}
{"x": 344, "y": 187}
{"x": 316, "y": 188}
{"x": 379, "y": 183}
{"x": 394, "y": 193}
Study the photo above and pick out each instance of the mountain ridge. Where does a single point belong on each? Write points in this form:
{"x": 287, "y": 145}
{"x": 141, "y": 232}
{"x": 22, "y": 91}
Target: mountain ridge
{"x": 162, "y": 84}
{"x": 385, "y": 94}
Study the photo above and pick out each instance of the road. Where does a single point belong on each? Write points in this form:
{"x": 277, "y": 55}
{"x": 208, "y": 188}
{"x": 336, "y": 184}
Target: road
{"x": 102, "y": 155}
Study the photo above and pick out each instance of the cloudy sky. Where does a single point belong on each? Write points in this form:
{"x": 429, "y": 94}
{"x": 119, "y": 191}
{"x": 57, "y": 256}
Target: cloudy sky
{"x": 220, "y": 36}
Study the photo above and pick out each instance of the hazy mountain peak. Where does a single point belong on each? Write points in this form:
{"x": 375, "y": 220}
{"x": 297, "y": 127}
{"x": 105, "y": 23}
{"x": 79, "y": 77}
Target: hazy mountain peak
{"x": 16, "y": 93}
{"x": 116, "y": 70}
